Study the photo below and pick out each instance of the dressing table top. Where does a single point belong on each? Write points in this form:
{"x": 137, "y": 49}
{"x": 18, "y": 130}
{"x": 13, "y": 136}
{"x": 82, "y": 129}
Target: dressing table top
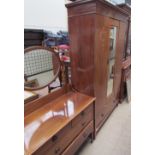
{"x": 48, "y": 120}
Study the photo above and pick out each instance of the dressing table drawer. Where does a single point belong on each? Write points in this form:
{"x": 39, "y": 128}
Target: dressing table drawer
{"x": 57, "y": 143}
{"x": 83, "y": 118}
{"x": 76, "y": 126}
{"x": 74, "y": 146}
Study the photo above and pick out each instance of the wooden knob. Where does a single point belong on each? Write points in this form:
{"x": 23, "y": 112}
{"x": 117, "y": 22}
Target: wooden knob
{"x": 82, "y": 113}
{"x": 54, "y": 138}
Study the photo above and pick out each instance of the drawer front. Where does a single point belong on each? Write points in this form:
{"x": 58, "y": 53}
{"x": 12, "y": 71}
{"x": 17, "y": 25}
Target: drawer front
{"x": 52, "y": 144}
{"x": 83, "y": 118}
{"x": 61, "y": 141}
{"x": 100, "y": 117}
{"x": 77, "y": 125}
{"x": 74, "y": 146}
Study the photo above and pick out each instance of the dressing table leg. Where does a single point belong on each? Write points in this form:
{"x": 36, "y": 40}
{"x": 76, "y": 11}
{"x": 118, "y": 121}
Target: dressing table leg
{"x": 92, "y": 137}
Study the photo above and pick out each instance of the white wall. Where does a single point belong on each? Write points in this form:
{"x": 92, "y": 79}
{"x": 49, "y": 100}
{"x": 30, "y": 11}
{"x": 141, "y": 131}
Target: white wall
{"x": 45, "y": 14}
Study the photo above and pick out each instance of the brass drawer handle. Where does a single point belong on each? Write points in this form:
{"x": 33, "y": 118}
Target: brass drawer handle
{"x": 57, "y": 150}
{"x": 54, "y": 138}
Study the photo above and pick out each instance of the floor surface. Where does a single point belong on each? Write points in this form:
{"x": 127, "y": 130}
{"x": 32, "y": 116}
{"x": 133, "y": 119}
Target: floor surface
{"x": 114, "y": 138}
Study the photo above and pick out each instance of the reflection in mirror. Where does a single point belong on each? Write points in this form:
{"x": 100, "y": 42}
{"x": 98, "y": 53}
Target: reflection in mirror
{"x": 41, "y": 67}
{"x": 111, "y": 61}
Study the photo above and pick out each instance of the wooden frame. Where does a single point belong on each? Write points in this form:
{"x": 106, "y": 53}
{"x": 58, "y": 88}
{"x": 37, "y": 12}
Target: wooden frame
{"x": 29, "y": 49}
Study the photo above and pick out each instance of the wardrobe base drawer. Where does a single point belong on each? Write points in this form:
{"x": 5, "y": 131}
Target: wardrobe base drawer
{"x": 74, "y": 146}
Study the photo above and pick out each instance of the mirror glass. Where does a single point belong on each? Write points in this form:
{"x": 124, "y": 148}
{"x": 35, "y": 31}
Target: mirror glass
{"x": 111, "y": 60}
{"x": 41, "y": 67}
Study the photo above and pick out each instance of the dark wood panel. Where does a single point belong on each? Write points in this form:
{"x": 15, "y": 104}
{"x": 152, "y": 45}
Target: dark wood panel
{"x": 100, "y": 59}
{"x": 97, "y": 7}
{"x": 111, "y": 11}
{"x": 88, "y": 8}
{"x": 82, "y": 54}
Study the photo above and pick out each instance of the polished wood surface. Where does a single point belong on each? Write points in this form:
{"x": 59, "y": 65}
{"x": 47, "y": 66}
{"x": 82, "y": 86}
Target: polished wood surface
{"x": 44, "y": 123}
{"x": 63, "y": 139}
{"x": 89, "y": 28}
{"x": 45, "y": 99}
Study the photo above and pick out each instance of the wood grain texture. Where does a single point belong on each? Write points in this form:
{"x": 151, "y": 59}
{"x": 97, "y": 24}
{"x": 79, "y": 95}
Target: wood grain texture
{"x": 89, "y": 23}
{"x": 38, "y": 103}
{"x": 59, "y": 142}
{"x": 44, "y": 123}
{"x": 82, "y": 53}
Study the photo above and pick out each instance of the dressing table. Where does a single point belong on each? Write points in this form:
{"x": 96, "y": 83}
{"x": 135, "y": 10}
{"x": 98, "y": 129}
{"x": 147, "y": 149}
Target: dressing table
{"x": 57, "y": 123}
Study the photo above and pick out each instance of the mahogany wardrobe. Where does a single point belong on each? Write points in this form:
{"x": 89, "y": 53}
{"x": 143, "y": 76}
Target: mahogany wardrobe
{"x": 97, "y": 31}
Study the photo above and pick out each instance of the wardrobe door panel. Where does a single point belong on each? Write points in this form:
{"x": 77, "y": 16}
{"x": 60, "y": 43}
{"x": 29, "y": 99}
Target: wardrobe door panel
{"x": 81, "y": 31}
{"x": 100, "y": 57}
